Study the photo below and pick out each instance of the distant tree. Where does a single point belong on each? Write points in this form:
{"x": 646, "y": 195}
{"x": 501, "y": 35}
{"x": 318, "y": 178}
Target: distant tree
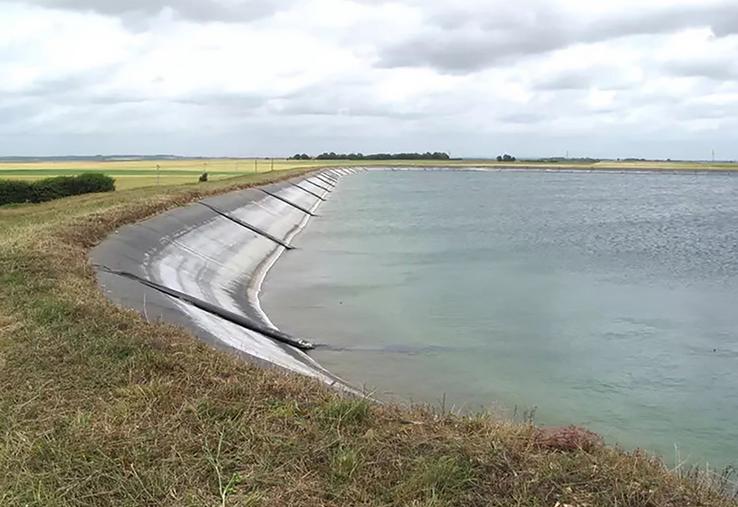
{"x": 499, "y": 158}
{"x": 384, "y": 156}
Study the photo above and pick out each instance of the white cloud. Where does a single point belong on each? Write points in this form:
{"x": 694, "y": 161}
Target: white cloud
{"x": 234, "y": 77}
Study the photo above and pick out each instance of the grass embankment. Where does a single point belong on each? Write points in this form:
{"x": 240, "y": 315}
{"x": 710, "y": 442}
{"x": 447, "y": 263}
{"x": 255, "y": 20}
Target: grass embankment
{"x": 142, "y": 173}
{"x": 99, "y": 407}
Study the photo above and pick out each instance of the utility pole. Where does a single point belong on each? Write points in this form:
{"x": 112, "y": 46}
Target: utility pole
{"x": 256, "y": 165}
{"x": 158, "y": 177}
{"x": 272, "y": 169}
{"x": 713, "y": 156}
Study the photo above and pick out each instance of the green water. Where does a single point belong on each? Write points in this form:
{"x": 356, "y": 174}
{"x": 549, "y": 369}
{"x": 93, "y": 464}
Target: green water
{"x": 607, "y": 300}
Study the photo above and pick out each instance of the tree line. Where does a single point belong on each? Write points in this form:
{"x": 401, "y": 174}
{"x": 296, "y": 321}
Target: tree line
{"x": 374, "y": 156}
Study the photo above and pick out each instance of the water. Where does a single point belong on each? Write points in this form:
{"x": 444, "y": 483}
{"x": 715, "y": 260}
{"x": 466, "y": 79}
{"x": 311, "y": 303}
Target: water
{"x": 607, "y": 300}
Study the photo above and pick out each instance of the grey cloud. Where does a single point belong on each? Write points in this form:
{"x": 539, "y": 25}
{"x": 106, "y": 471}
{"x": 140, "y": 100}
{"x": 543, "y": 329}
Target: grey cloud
{"x": 523, "y": 118}
{"x": 709, "y": 67}
{"x": 459, "y": 41}
{"x": 234, "y": 102}
{"x": 577, "y": 79}
{"x": 706, "y": 112}
{"x": 602, "y": 76}
{"x": 357, "y": 97}
{"x": 464, "y": 51}
{"x": 196, "y": 10}
{"x": 338, "y": 102}
{"x": 664, "y": 20}
{"x": 362, "y": 108}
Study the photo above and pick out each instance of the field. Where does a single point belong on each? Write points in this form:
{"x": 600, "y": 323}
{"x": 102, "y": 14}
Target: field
{"x": 143, "y": 173}
{"x": 99, "y": 407}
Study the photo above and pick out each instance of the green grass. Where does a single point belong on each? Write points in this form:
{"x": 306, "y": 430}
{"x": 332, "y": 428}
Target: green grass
{"x": 100, "y": 408}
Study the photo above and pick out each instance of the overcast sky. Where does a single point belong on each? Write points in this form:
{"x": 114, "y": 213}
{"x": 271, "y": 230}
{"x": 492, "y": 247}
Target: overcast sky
{"x": 620, "y": 78}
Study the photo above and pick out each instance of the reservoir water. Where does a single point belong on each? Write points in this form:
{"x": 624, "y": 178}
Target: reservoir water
{"x": 602, "y": 299}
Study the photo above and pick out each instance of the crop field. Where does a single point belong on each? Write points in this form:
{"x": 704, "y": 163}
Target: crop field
{"x": 143, "y": 173}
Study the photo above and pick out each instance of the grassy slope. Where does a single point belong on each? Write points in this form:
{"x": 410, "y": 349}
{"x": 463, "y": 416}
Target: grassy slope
{"x": 136, "y": 174}
{"x": 98, "y": 407}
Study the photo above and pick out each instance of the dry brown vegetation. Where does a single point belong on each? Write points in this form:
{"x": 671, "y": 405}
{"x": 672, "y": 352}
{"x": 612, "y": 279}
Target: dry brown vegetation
{"x": 99, "y": 407}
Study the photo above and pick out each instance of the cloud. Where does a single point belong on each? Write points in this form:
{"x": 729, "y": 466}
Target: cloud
{"x": 700, "y": 54}
{"x": 708, "y": 67}
{"x": 194, "y": 10}
{"x": 459, "y": 40}
{"x": 476, "y": 77}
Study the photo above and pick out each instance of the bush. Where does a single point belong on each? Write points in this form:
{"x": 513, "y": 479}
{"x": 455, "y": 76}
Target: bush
{"x": 93, "y": 182}
{"x": 53, "y": 188}
{"x": 203, "y": 178}
{"x": 15, "y": 191}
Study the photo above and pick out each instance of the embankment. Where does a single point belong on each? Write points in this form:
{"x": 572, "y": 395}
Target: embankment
{"x": 201, "y": 266}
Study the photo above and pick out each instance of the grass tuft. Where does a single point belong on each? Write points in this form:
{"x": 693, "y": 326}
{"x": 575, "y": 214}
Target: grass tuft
{"x": 345, "y": 412}
{"x": 344, "y": 464}
{"x": 438, "y": 480}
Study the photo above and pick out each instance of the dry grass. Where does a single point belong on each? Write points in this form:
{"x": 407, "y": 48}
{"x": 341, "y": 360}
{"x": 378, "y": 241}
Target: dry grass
{"x": 98, "y": 407}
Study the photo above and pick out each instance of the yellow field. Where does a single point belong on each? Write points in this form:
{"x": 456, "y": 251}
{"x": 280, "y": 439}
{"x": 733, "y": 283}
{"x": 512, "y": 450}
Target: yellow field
{"x": 143, "y": 173}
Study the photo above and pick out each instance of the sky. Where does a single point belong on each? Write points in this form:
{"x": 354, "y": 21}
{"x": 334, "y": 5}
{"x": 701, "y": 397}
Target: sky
{"x": 475, "y": 78}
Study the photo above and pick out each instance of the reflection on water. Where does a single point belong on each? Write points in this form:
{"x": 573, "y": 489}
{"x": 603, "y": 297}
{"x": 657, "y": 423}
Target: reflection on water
{"x": 607, "y": 300}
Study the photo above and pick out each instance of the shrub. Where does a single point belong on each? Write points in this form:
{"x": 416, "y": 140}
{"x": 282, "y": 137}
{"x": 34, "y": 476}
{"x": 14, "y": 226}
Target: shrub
{"x": 203, "y": 177}
{"x": 15, "y": 191}
{"x": 53, "y": 188}
{"x": 94, "y": 182}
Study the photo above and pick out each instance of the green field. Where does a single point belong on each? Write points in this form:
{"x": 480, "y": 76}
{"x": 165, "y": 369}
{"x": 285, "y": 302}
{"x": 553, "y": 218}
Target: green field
{"x": 143, "y": 173}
